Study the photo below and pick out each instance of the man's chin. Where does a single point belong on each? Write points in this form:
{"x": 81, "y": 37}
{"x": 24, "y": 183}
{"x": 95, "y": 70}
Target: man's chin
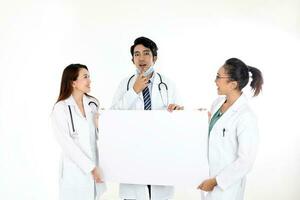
{"x": 143, "y": 69}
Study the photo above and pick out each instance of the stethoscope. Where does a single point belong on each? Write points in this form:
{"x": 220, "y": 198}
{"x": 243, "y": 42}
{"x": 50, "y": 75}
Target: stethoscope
{"x": 74, "y": 133}
{"x": 159, "y": 88}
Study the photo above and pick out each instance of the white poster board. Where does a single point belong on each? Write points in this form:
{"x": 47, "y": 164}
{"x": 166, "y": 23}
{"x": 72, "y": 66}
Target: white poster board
{"x": 154, "y": 147}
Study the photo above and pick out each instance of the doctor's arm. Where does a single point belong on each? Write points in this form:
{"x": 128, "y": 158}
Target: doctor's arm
{"x": 247, "y": 136}
{"x": 69, "y": 148}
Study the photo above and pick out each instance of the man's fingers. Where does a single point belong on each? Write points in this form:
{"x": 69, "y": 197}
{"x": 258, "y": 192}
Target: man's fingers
{"x": 98, "y": 180}
{"x": 199, "y": 186}
{"x": 172, "y": 107}
{"x": 142, "y": 73}
{"x": 175, "y": 107}
{"x": 146, "y": 79}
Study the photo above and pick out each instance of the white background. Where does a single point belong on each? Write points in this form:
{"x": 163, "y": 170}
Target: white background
{"x": 38, "y": 38}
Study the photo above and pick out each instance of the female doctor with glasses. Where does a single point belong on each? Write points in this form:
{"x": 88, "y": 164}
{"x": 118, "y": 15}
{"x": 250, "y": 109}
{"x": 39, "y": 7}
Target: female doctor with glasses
{"x": 74, "y": 121}
{"x": 233, "y": 132}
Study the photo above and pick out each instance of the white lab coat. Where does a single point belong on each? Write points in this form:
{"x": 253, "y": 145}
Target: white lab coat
{"x": 79, "y": 151}
{"x": 129, "y": 100}
{"x": 232, "y": 149}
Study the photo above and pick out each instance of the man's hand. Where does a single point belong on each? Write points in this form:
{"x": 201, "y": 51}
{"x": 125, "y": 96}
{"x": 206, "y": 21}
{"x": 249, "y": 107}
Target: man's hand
{"x": 96, "y": 175}
{"x": 172, "y": 107}
{"x": 208, "y": 185}
{"x": 140, "y": 83}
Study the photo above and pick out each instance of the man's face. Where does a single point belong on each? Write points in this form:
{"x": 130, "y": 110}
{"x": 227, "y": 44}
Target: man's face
{"x": 143, "y": 57}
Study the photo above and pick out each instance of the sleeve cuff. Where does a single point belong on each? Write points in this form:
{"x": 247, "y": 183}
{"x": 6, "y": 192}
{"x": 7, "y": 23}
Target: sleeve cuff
{"x": 220, "y": 184}
{"x": 89, "y": 168}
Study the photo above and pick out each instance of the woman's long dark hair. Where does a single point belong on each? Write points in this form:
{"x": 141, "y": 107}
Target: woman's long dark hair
{"x": 69, "y": 75}
{"x": 239, "y": 72}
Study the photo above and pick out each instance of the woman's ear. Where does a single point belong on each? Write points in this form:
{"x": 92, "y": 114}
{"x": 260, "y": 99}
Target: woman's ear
{"x": 234, "y": 85}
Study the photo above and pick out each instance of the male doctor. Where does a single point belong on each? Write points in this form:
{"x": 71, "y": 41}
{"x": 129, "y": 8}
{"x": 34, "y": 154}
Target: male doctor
{"x": 145, "y": 90}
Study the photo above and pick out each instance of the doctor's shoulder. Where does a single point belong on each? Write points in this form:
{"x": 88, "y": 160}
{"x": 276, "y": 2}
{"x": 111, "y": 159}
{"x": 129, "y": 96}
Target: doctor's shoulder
{"x": 128, "y": 80}
{"x": 246, "y": 116}
{"x": 59, "y": 108}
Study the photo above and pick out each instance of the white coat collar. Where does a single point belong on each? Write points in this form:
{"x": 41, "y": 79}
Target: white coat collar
{"x": 155, "y": 81}
{"x": 242, "y": 100}
{"x": 71, "y": 101}
{"x": 86, "y": 101}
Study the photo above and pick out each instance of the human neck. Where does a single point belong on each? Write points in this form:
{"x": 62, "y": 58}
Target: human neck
{"x": 232, "y": 97}
{"x": 78, "y": 97}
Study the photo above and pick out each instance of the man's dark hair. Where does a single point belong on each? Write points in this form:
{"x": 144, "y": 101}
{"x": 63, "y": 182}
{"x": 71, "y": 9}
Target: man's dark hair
{"x": 146, "y": 42}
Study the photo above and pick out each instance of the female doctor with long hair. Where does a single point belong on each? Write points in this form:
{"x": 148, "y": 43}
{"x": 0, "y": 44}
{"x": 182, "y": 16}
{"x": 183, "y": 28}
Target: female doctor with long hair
{"x": 233, "y": 132}
{"x": 74, "y": 120}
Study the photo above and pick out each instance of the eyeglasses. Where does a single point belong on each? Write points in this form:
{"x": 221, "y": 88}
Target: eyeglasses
{"x": 219, "y": 77}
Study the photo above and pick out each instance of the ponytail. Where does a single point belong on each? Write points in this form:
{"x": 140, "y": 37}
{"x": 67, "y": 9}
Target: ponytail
{"x": 238, "y": 71}
{"x": 257, "y": 80}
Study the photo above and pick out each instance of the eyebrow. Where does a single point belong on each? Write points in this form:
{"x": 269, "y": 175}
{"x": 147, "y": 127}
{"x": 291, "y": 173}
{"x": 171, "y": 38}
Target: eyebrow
{"x": 146, "y": 50}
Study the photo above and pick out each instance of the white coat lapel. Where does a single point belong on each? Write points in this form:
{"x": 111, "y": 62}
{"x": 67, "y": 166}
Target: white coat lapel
{"x": 87, "y": 107}
{"x": 132, "y": 81}
{"x": 216, "y": 107}
{"x": 231, "y": 111}
{"x": 155, "y": 96}
{"x": 74, "y": 108}
{"x": 70, "y": 101}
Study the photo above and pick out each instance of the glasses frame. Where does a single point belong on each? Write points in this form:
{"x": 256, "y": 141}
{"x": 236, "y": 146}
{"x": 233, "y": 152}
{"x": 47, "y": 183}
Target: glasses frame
{"x": 220, "y": 77}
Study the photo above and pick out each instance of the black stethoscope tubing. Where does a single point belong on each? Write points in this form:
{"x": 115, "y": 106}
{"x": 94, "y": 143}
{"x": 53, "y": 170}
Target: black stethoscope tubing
{"x": 71, "y": 116}
{"x": 159, "y": 85}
